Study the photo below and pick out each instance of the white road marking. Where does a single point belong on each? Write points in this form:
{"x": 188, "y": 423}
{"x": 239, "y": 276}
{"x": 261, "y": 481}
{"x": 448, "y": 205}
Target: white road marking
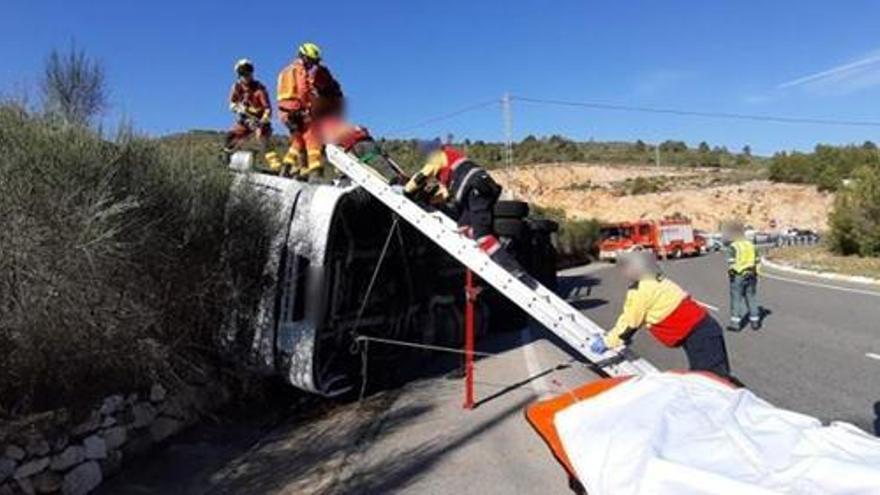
{"x": 824, "y": 286}
{"x": 707, "y": 305}
{"x": 539, "y": 384}
{"x": 872, "y": 355}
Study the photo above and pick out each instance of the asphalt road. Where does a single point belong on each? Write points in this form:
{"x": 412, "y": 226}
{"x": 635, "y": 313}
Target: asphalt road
{"x": 819, "y": 353}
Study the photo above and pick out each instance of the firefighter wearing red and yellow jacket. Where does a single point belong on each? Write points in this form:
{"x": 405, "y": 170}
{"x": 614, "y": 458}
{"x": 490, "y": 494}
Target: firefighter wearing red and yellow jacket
{"x": 469, "y": 189}
{"x": 449, "y": 177}
{"x": 671, "y": 315}
{"x": 307, "y": 93}
{"x": 249, "y": 101}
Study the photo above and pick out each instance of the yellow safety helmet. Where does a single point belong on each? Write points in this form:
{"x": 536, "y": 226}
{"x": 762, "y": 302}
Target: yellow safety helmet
{"x": 310, "y": 51}
{"x": 244, "y": 66}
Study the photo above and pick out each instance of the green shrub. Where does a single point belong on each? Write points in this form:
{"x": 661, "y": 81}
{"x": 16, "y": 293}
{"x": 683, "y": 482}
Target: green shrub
{"x": 855, "y": 219}
{"x": 576, "y": 240}
{"x": 113, "y": 269}
{"x": 827, "y": 166}
{"x": 641, "y": 185}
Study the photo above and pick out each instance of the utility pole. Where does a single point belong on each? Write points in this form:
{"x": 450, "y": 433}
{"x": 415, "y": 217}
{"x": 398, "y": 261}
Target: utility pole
{"x": 508, "y": 130}
{"x": 657, "y": 156}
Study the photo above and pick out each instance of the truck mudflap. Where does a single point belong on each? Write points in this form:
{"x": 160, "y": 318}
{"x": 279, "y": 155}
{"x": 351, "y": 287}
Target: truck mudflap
{"x": 674, "y": 432}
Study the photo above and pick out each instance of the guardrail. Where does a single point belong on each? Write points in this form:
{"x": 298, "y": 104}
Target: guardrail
{"x": 798, "y": 240}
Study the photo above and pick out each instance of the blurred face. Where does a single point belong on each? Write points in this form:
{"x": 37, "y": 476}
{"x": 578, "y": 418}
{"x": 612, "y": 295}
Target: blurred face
{"x": 309, "y": 62}
{"x": 630, "y": 271}
{"x": 246, "y": 77}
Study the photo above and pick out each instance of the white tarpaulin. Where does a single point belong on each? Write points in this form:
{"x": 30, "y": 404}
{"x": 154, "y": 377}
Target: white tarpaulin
{"x": 685, "y": 433}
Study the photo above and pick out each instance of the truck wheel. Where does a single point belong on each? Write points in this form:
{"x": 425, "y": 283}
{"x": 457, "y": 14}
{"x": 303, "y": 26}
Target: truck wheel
{"x": 543, "y": 225}
{"x": 511, "y": 209}
{"x": 677, "y": 254}
{"x": 509, "y": 227}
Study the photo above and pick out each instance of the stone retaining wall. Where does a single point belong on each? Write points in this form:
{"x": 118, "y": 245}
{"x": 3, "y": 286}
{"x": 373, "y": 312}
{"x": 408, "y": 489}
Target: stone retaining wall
{"x": 54, "y": 456}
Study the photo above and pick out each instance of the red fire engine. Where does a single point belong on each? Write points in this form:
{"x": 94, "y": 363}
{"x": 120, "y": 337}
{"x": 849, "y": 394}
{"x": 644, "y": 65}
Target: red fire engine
{"x": 671, "y": 237}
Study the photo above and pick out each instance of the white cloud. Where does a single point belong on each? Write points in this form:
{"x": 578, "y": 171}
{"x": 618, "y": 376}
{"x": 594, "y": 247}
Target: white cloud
{"x": 843, "y": 79}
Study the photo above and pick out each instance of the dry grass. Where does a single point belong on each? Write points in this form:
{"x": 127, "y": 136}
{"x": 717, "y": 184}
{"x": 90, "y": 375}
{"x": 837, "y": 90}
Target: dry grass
{"x": 818, "y": 258}
{"x": 115, "y": 260}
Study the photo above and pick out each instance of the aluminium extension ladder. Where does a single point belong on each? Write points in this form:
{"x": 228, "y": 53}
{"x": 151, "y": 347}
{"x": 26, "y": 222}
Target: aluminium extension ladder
{"x": 569, "y": 324}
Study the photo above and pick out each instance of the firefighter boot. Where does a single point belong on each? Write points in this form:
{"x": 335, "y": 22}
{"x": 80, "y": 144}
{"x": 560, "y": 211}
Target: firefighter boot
{"x": 274, "y": 162}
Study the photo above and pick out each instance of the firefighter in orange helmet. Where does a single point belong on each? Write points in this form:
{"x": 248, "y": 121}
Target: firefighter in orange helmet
{"x": 249, "y": 101}
{"x": 301, "y": 105}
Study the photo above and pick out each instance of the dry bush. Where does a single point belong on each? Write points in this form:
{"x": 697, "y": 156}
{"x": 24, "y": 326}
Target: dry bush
{"x": 112, "y": 262}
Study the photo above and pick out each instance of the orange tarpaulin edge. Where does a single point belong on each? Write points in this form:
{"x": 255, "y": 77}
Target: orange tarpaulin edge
{"x": 541, "y": 415}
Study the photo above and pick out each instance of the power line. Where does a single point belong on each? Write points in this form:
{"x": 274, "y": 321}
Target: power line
{"x": 445, "y": 116}
{"x": 694, "y": 113}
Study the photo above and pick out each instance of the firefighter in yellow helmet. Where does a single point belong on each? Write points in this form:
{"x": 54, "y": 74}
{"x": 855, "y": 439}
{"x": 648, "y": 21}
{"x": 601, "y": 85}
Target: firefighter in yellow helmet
{"x": 742, "y": 271}
{"x": 249, "y": 101}
{"x": 307, "y": 92}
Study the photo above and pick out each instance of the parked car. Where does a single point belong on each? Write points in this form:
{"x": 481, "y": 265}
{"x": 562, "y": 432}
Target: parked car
{"x": 795, "y": 236}
{"x": 712, "y": 241}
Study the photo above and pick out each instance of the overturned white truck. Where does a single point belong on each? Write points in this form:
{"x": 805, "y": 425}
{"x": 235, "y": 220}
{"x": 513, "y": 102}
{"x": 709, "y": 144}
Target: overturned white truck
{"x": 323, "y": 259}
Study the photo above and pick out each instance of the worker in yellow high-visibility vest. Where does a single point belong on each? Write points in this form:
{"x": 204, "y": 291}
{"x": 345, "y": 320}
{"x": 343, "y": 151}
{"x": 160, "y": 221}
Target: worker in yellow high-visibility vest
{"x": 742, "y": 270}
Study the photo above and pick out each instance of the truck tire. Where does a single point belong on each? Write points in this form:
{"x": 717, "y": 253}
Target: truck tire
{"x": 511, "y": 209}
{"x": 509, "y": 227}
{"x": 543, "y": 225}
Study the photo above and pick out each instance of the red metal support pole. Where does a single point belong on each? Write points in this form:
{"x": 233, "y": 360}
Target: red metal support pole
{"x": 470, "y": 296}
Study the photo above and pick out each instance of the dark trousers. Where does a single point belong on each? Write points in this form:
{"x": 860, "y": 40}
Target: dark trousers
{"x": 705, "y": 348}
{"x": 476, "y": 212}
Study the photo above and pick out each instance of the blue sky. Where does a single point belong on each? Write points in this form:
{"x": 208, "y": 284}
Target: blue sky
{"x": 170, "y": 63}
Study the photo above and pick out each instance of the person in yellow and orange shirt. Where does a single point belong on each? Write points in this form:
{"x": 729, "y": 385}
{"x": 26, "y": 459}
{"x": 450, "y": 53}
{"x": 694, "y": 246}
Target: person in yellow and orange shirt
{"x": 671, "y": 315}
{"x": 306, "y": 91}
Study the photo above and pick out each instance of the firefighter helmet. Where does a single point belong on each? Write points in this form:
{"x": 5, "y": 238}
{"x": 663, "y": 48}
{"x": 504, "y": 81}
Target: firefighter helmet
{"x": 244, "y": 66}
{"x": 310, "y": 51}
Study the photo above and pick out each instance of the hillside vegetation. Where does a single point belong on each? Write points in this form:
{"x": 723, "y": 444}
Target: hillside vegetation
{"x": 826, "y": 166}
{"x": 533, "y": 150}
{"x": 854, "y": 173}
{"x": 613, "y": 193}
{"x": 116, "y": 260}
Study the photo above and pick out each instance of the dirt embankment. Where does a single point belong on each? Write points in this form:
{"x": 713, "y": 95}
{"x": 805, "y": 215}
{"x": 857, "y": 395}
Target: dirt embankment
{"x": 708, "y": 197}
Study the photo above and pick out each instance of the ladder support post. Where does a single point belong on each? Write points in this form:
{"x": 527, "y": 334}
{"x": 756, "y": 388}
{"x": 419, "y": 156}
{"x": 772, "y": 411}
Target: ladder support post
{"x": 469, "y": 340}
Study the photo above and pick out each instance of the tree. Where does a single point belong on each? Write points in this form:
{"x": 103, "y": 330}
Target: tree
{"x": 640, "y": 146}
{"x": 670, "y": 146}
{"x": 74, "y": 86}
{"x": 855, "y": 220}
{"x": 704, "y": 147}
{"x": 747, "y": 151}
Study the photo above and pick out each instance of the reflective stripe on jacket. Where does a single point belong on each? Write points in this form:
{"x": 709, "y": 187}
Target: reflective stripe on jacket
{"x": 253, "y": 96}
{"x": 660, "y": 304}
{"x": 295, "y": 87}
{"x": 742, "y": 257}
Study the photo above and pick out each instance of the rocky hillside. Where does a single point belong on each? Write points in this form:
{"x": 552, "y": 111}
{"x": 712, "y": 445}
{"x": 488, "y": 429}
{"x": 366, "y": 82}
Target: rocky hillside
{"x": 708, "y": 196}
